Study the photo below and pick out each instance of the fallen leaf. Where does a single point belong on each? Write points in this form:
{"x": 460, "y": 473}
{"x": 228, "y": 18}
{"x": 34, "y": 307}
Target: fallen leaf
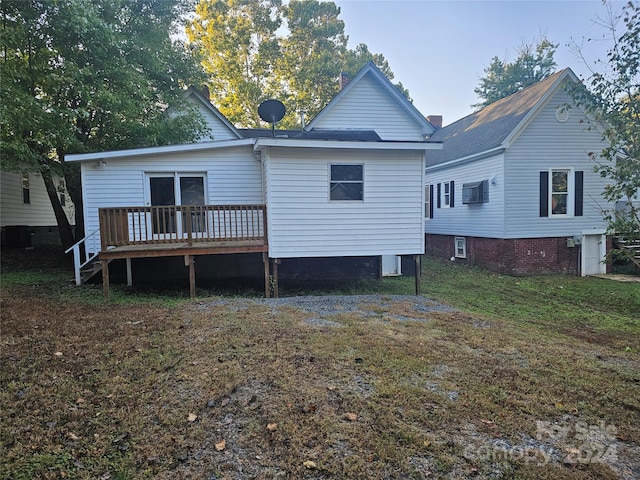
{"x": 58, "y": 354}
{"x": 272, "y": 426}
{"x": 73, "y": 436}
{"x": 310, "y": 464}
{"x": 352, "y": 417}
{"x": 221, "y": 445}
{"x": 192, "y": 417}
{"x": 331, "y": 388}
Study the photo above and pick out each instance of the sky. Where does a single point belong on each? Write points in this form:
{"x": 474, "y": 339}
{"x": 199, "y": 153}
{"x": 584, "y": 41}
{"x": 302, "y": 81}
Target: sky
{"x": 439, "y": 49}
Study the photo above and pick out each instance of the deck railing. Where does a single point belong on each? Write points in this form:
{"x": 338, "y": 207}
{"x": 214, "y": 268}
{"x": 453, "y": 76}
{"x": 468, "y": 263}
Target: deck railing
{"x": 181, "y": 223}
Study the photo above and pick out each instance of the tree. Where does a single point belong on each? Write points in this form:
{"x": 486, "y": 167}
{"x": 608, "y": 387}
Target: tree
{"x": 612, "y": 97}
{"x": 258, "y": 49}
{"x": 81, "y": 76}
{"x": 502, "y": 78}
{"x": 236, "y": 40}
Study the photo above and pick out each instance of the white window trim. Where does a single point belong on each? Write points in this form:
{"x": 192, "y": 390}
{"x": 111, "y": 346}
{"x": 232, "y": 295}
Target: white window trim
{"x": 331, "y": 181}
{"x": 571, "y": 193}
{"x": 427, "y": 202}
{"x": 463, "y": 241}
{"x": 443, "y": 195}
{"x": 176, "y": 182}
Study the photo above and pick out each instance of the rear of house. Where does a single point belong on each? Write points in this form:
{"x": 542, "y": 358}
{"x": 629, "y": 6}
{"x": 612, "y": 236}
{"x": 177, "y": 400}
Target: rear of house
{"x": 523, "y": 197}
{"x": 341, "y": 194}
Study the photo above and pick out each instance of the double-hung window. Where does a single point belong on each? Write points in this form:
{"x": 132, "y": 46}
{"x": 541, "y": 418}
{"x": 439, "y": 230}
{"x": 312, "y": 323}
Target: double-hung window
{"x": 26, "y": 190}
{"x": 347, "y": 182}
{"x": 561, "y": 192}
{"x": 446, "y": 194}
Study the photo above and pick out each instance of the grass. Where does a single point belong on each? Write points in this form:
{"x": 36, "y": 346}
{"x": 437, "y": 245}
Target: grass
{"x": 150, "y": 385}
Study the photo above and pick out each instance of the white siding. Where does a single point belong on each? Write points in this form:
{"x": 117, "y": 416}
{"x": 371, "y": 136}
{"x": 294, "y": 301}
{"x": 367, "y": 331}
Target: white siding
{"x": 233, "y": 177}
{"x": 479, "y": 220}
{"x": 304, "y": 223}
{"x": 368, "y": 107}
{"x": 217, "y": 129}
{"x": 545, "y": 144}
{"x": 37, "y": 213}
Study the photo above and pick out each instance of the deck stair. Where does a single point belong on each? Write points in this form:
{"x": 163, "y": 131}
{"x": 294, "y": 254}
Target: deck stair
{"x": 85, "y": 258}
{"x": 630, "y": 248}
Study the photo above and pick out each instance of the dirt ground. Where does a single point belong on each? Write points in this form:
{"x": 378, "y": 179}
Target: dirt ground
{"x": 372, "y": 386}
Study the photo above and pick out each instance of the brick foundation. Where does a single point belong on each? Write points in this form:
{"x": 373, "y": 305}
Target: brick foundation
{"x": 519, "y": 256}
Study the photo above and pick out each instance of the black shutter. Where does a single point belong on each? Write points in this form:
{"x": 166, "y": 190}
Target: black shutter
{"x": 544, "y": 194}
{"x": 430, "y": 201}
{"x": 579, "y": 193}
{"x": 452, "y": 194}
{"x": 439, "y": 187}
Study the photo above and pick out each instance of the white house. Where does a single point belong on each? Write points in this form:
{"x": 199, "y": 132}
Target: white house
{"x": 513, "y": 188}
{"x": 349, "y": 185}
{"x": 26, "y": 214}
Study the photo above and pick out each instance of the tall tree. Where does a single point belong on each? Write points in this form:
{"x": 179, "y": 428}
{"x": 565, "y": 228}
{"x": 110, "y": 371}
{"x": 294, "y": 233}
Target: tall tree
{"x": 257, "y": 49}
{"x": 612, "y": 97}
{"x": 236, "y": 40}
{"x": 81, "y": 76}
{"x": 503, "y": 78}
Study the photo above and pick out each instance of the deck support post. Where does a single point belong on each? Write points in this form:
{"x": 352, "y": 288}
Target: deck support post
{"x": 129, "y": 274}
{"x": 267, "y": 280}
{"x": 416, "y": 259}
{"x": 276, "y": 293}
{"x": 105, "y": 279}
{"x": 192, "y": 275}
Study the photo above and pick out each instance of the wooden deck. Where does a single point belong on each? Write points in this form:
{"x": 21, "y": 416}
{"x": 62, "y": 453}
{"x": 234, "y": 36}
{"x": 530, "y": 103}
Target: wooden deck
{"x": 182, "y": 231}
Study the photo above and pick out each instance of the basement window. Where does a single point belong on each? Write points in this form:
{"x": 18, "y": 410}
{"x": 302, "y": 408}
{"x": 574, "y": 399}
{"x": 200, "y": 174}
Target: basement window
{"x": 460, "y": 247}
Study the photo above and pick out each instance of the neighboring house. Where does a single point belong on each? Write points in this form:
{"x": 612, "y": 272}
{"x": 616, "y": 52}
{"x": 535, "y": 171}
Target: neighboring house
{"x": 349, "y": 186}
{"x": 513, "y": 188}
{"x": 26, "y": 214}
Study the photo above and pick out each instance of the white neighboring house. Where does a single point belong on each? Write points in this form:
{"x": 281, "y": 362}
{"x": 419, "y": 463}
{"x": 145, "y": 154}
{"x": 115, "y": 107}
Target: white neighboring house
{"x": 349, "y": 185}
{"x": 26, "y": 214}
{"x": 513, "y": 188}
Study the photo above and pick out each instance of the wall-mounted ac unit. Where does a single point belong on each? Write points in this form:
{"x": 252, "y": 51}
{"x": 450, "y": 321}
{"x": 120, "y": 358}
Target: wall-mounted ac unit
{"x": 476, "y": 192}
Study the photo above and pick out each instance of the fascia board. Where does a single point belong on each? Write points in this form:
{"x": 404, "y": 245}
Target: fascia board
{"x": 335, "y": 144}
{"x": 467, "y": 159}
{"x": 139, "y": 152}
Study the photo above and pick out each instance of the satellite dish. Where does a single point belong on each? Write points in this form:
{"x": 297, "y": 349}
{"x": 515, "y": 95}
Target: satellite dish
{"x": 271, "y": 111}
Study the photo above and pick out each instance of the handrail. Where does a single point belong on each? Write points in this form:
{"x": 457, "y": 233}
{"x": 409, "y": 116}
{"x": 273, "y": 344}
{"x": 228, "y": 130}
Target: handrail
{"x": 85, "y": 248}
{"x": 120, "y": 226}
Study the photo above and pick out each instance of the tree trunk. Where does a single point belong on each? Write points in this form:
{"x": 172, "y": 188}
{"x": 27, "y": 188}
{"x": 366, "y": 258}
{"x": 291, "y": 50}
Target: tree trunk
{"x": 64, "y": 227}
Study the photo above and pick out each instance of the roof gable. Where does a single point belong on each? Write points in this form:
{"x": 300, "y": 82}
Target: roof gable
{"x": 339, "y": 112}
{"x": 497, "y": 125}
{"x": 220, "y": 127}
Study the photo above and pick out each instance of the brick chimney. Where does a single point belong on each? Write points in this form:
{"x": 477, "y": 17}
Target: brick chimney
{"x": 435, "y": 120}
{"x": 343, "y": 80}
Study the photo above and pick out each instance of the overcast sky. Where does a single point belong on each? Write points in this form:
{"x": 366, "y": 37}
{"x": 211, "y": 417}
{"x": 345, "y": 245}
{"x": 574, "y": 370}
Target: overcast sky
{"x": 439, "y": 49}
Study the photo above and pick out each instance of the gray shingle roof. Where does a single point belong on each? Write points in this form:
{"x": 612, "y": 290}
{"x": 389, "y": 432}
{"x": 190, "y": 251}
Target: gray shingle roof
{"x": 488, "y": 128}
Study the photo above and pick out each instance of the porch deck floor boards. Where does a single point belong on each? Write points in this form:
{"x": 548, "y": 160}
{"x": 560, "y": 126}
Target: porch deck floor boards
{"x": 182, "y": 248}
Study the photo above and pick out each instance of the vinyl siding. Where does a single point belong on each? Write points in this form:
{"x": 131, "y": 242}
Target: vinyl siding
{"x": 478, "y": 220}
{"x": 304, "y": 223}
{"x": 37, "y": 213}
{"x": 217, "y": 129}
{"x": 546, "y": 144}
{"x": 368, "y": 107}
{"x": 232, "y": 177}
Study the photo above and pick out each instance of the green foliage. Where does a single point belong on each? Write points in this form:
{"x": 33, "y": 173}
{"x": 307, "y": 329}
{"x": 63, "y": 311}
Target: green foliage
{"x": 294, "y": 51}
{"x": 502, "y": 78}
{"x": 612, "y": 97}
{"x": 83, "y": 76}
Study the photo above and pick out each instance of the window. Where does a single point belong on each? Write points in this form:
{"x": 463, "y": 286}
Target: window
{"x": 428, "y": 201}
{"x": 561, "y": 193}
{"x": 346, "y": 182}
{"x": 26, "y": 190}
{"x": 446, "y": 194}
{"x": 477, "y": 192}
{"x": 461, "y": 247}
